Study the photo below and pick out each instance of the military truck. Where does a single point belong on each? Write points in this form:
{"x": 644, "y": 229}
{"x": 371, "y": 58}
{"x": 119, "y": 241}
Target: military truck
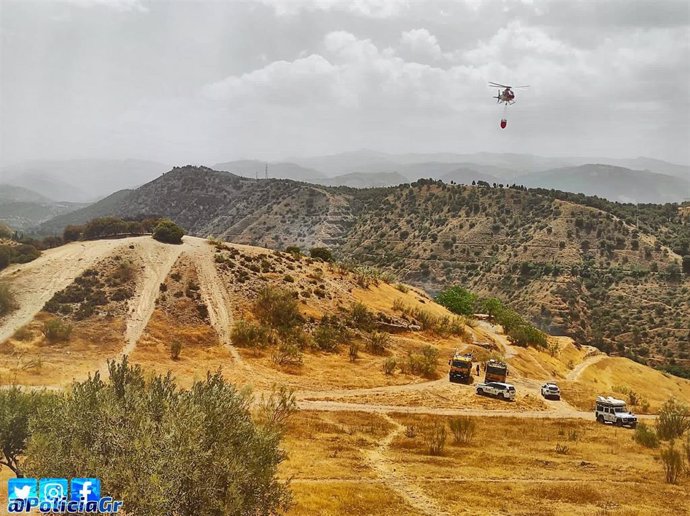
{"x": 460, "y": 368}
{"x": 496, "y": 371}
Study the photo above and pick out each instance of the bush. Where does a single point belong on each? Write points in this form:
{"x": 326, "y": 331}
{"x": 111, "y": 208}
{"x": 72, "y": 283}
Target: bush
{"x": 673, "y": 420}
{"x": 435, "y": 438}
{"x": 168, "y": 232}
{"x": 423, "y": 363}
{"x": 277, "y": 308}
{"x": 287, "y": 354}
{"x": 360, "y": 316}
{"x": 5, "y": 256}
{"x": 672, "y": 462}
{"x": 389, "y": 365}
{"x": 377, "y": 342}
{"x": 457, "y": 300}
{"x": 175, "y": 349}
{"x": 247, "y": 334}
{"x": 293, "y": 250}
{"x": 23, "y": 334}
{"x": 321, "y": 253}
{"x": 57, "y": 330}
{"x": 645, "y": 436}
{"x": 7, "y": 300}
{"x": 203, "y": 439}
{"x": 463, "y": 429}
{"x": 328, "y": 335}
{"x": 353, "y": 352}
{"x": 72, "y": 233}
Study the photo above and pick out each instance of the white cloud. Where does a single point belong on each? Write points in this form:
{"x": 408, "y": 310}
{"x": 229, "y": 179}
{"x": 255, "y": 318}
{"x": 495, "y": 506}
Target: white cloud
{"x": 421, "y": 44}
{"x": 367, "y": 8}
{"x": 118, "y": 5}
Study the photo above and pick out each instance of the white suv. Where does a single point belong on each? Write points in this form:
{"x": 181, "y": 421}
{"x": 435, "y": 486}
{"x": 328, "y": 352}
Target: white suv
{"x": 611, "y": 410}
{"x": 551, "y": 390}
{"x": 498, "y": 389}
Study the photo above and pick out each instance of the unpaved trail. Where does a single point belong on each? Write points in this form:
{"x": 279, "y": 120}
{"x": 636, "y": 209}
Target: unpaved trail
{"x": 558, "y": 412}
{"x": 34, "y": 283}
{"x": 387, "y": 389}
{"x": 385, "y": 469}
{"x": 214, "y": 294}
{"x": 158, "y": 259}
{"x": 575, "y": 374}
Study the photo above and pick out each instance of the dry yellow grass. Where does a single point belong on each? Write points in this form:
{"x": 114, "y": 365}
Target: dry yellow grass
{"x": 39, "y": 362}
{"x": 612, "y": 374}
{"x": 510, "y": 467}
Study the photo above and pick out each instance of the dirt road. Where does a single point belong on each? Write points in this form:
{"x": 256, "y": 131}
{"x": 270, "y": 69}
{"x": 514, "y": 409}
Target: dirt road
{"x": 34, "y": 283}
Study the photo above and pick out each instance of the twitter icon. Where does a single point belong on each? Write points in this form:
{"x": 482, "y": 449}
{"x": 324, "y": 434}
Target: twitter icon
{"x": 22, "y": 488}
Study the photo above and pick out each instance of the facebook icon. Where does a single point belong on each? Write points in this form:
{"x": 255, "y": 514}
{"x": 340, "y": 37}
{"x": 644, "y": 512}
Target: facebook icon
{"x": 85, "y": 490}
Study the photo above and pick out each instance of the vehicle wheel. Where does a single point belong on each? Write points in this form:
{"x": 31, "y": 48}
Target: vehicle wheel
{"x": 600, "y": 419}
{"x": 617, "y": 423}
{"x": 480, "y": 392}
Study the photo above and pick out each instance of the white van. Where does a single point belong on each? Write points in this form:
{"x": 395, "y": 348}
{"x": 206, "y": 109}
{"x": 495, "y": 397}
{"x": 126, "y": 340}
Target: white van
{"x": 611, "y": 410}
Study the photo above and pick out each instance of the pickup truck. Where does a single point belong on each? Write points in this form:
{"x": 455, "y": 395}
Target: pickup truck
{"x": 502, "y": 390}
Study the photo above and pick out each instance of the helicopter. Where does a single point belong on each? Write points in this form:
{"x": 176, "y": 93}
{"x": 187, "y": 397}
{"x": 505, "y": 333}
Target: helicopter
{"x": 507, "y": 96}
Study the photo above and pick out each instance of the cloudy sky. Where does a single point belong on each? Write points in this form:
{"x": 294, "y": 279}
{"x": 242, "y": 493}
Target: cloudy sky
{"x": 195, "y": 81}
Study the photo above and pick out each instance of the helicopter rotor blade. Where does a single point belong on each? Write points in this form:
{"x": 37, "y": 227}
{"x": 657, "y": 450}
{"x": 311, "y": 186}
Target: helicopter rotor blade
{"x": 496, "y": 84}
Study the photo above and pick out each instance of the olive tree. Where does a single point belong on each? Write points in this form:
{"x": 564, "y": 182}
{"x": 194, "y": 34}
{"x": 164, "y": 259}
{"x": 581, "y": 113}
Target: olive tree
{"x": 161, "y": 449}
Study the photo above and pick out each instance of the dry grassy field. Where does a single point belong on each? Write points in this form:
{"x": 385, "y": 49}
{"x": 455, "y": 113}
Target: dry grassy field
{"x": 338, "y": 465}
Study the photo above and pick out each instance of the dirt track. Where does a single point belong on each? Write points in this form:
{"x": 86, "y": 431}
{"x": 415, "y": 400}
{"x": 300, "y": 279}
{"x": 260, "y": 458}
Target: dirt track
{"x": 36, "y": 282}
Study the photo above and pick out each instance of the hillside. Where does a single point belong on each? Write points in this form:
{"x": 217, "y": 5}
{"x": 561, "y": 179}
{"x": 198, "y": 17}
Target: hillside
{"x": 571, "y": 262}
{"x": 22, "y": 208}
{"x": 365, "y": 416}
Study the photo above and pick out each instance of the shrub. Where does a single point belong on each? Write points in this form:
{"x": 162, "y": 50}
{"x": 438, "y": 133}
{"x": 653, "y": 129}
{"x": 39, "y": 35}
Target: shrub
{"x": 287, "y": 354}
{"x": 168, "y": 232}
{"x": 247, "y": 334}
{"x": 457, "y": 300}
{"x": 72, "y": 233}
{"x": 377, "y": 342}
{"x": 402, "y": 288}
{"x": 288, "y": 279}
{"x": 7, "y": 300}
{"x": 463, "y": 429}
{"x": 293, "y": 250}
{"x": 204, "y": 439}
{"x": 353, "y": 352}
{"x": 57, "y": 330}
{"x": 23, "y": 334}
{"x": 175, "y": 349}
{"x": 562, "y": 449}
{"x": 277, "y": 308}
{"x": 672, "y": 462}
{"x": 673, "y": 420}
{"x": 328, "y": 335}
{"x": 435, "y": 438}
{"x": 360, "y": 316}
{"x": 645, "y": 436}
{"x": 422, "y": 363}
{"x": 321, "y": 253}
{"x": 5, "y": 256}
{"x": 389, "y": 365}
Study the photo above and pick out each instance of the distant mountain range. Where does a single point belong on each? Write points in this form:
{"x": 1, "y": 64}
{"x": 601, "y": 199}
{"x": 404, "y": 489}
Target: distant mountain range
{"x": 626, "y": 180}
{"x": 80, "y": 180}
{"x": 21, "y": 208}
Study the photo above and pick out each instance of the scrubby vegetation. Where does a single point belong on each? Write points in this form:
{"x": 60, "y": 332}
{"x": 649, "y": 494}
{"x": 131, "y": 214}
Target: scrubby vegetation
{"x": 205, "y": 438}
{"x": 17, "y": 253}
{"x": 168, "y": 232}
{"x": 7, "y": 299}
{"x": 57, "y": 330}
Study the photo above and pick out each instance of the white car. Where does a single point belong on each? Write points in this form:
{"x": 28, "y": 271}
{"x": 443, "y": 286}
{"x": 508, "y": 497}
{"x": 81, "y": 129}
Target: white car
{"x": 611, "y": 410}
{"x": 551, "y": 390}
{"x": 498, "y": 389}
